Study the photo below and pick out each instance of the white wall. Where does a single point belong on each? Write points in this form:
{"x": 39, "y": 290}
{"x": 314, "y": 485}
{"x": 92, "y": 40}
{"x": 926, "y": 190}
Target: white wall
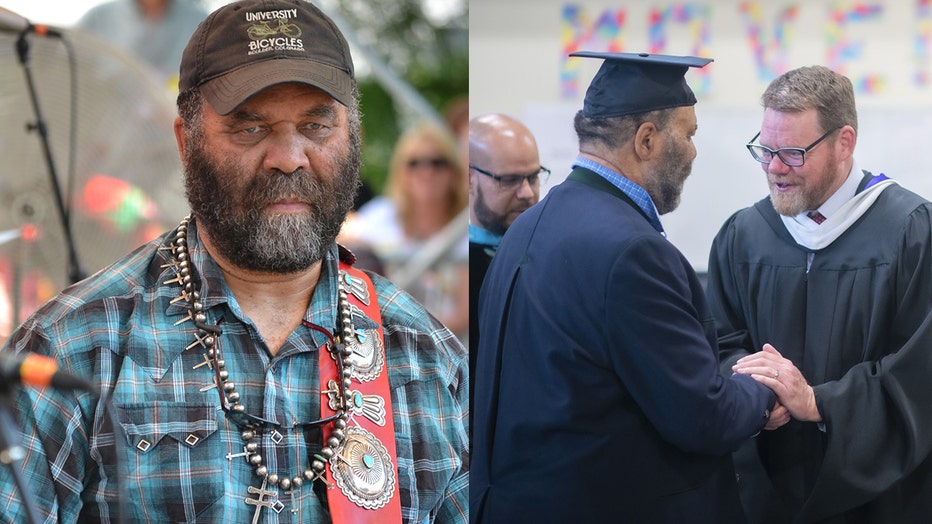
{"x": 517, "y": 57}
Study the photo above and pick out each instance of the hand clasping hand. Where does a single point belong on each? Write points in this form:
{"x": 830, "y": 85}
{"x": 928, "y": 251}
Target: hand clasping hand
{"x": 779, "y": 416}
{"x": 779, "y": 374}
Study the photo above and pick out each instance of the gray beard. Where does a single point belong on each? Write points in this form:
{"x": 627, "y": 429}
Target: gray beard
{"x": 246, "y": 236}
{"x": 665, "y": 184}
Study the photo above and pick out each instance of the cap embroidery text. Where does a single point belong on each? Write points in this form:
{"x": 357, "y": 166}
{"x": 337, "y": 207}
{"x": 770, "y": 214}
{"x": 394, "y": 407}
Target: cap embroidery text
{"x": 271, "y": 15}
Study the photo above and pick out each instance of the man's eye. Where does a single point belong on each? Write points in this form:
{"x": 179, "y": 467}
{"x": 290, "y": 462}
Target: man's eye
{"x": 316, "y": 130}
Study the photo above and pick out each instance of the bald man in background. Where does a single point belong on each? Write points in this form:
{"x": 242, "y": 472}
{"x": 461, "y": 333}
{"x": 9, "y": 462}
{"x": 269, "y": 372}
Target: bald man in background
{"x": 504, "y": 180}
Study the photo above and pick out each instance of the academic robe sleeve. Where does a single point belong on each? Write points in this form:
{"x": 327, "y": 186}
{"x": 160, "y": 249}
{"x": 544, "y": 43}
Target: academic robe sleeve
{"x": 877, "y": 416}
{"x": 734, "y": 340}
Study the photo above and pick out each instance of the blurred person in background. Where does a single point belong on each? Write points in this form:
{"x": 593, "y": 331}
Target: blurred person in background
{"x": 504, "y": 181}
{"x": 247, "y": 371}
{"x": 155, "y": 31}
{"x": 456, "y": 114}
{"x": 426, "y": 189}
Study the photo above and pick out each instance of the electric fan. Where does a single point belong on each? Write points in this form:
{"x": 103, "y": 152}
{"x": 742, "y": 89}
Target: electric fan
{"x": 126, "y": 186}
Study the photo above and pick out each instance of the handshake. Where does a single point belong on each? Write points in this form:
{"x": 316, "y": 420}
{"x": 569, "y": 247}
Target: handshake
{"x": 795, "y": 398}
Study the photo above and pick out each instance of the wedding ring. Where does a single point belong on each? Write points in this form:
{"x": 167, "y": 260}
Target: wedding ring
{"x": 776, "y": 374}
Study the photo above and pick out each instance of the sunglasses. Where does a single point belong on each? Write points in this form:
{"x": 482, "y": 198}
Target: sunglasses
{"x": 237, "y": 414}
{"x": 436, "y": 163}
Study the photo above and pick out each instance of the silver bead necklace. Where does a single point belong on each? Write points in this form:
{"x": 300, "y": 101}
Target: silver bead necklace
{"x": 252, "y": 427}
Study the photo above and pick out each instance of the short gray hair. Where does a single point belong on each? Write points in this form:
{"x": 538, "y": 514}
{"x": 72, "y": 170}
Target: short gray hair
{"x": 614, "y": 132}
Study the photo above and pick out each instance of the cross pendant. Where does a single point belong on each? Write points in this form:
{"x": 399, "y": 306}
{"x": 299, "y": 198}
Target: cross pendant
{"x": 178, "y": 278}
{"x": 322, "y": 475}
{"x": 185, "y": 295}
{"x": 294, "y": 507}
{"x": 207, "y": 362}
{"x": 259, "y": 502}
{"x": 246, "y": 453}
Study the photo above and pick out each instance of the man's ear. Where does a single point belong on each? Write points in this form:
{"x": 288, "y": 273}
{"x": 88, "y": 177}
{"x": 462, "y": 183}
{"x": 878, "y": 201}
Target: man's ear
{"x": 180, "y": 137}
{"x": 473, "y": 182}
{"x": 847, "y": 139}
{"x": 646, "y": 140}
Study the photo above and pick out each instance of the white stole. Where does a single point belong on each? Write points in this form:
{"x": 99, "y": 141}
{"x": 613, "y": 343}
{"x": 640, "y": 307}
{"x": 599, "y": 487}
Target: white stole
{"x": 817, "y": 236}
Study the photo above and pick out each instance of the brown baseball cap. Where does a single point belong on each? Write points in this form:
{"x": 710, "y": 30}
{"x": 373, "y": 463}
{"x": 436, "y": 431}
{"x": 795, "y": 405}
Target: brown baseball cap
{"x": 250, "y": 45}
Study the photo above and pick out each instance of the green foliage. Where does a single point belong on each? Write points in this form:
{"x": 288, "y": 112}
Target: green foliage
{"x": 432, "y": 56}
{"x": 442, "y": 80}
{"x": 379, "y": 132}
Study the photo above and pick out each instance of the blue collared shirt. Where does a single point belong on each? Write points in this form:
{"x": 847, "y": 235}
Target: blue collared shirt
{"x": 635, "y": 192}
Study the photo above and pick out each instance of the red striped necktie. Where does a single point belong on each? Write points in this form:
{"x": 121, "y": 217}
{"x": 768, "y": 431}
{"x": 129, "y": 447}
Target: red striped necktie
{"x": 816, "y": 217}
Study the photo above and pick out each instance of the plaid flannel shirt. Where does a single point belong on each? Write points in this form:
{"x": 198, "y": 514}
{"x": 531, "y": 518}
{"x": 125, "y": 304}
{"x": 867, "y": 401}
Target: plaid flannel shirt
{"x": 118, "y": 328}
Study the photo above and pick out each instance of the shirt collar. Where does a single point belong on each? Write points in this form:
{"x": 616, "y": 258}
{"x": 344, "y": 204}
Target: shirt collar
{"x": 323, "y": 307}
{"x": 213, "y": 288}
{"x": 478, "y": 235}
{"x": 214, "y": 291}
{"x": 843, "y": 194}
{"x": 325, "y": 302}
{"x": 635, "y": 192}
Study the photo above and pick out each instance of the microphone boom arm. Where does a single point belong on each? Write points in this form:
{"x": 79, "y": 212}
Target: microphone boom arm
{"x": 75, "y": 272}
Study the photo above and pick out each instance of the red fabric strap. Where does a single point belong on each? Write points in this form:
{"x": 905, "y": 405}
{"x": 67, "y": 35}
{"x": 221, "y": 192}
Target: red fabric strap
{"x": 342, "y": 509}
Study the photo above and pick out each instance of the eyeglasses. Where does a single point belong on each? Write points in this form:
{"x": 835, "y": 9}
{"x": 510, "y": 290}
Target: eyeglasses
{"x": 791, "y": 156}
{"x": 515, "y": 181}
{"x": 436, "y": 163}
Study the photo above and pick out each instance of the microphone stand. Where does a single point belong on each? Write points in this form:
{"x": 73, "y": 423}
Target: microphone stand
{"x": 74, "y": 268}
{"x": 11, "y": 452}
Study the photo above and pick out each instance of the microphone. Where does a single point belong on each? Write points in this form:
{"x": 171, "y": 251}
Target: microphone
{"x": 11, "y": 22}
{"x": 36, "y": 370}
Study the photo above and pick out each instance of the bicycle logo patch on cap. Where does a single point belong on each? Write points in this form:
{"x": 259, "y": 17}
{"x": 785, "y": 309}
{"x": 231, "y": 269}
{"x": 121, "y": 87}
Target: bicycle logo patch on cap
{"x": 266, "y": 28}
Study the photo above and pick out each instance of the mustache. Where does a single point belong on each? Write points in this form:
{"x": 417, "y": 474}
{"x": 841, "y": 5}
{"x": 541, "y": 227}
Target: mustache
{"x": 277, "y": 185}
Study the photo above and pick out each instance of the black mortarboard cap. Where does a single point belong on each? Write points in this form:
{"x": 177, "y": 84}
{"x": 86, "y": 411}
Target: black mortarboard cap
{"x": 630, "y": 83}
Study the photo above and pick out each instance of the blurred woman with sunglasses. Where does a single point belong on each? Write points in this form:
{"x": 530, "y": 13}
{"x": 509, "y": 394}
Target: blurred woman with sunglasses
{"x": 425, "y": 191}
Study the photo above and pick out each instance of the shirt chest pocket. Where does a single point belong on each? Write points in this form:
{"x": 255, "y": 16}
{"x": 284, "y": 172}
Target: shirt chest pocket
{"x": 174, "y": 459}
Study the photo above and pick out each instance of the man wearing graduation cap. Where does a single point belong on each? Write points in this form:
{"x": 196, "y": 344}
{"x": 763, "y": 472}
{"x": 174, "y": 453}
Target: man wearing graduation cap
{"x": 598, "y": 393}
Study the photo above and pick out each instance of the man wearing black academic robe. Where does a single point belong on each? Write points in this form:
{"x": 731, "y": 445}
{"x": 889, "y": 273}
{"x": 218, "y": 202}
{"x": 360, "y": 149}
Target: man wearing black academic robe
{"x": 598, "y": 395}
{"x": 480, "y": 257}
{"x": 854, "y": 317}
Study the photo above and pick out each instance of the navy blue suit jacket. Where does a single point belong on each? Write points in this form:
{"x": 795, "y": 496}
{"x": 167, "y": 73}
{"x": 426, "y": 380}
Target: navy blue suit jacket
{"x": 598, "y": 393}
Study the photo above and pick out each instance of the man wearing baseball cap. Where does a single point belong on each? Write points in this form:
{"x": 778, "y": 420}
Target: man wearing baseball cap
{"x": 248, "y": 373}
